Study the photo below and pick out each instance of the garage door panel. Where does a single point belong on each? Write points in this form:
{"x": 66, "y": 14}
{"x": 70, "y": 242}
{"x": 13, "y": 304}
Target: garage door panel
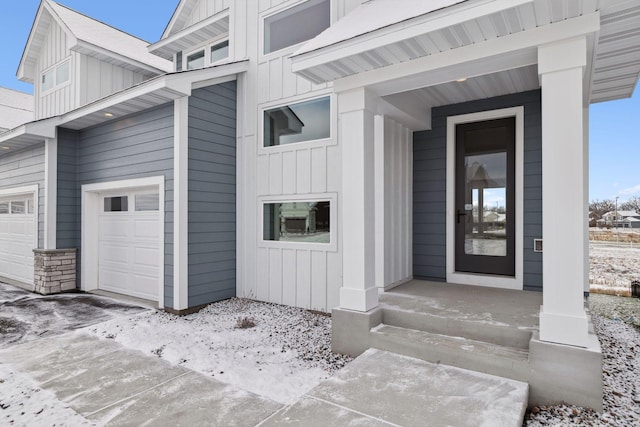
{"x": 129, "y": 252}
{"x": 17, "y": 241}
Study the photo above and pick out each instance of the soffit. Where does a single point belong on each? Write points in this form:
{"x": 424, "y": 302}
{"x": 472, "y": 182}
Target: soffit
{"x": 616, "y": 63}
{"x": 195, "y": 35}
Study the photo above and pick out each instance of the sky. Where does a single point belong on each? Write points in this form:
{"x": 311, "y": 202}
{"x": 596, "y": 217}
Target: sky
{"x": 614, "y": 126}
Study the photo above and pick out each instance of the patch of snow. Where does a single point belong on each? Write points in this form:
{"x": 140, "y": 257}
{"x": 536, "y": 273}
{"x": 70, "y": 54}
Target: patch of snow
{"x": 613, "y": 267}
{"x": 286, "y": 353}
{"x": 24, "y": 403}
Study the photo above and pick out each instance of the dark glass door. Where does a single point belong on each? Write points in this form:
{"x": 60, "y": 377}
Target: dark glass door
{"x": 485, "y": 197}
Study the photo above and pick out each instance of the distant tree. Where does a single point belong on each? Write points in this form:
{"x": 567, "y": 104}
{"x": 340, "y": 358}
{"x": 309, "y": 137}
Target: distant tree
{"x": 633, "y": 204}
{"x": 599, "y": 208}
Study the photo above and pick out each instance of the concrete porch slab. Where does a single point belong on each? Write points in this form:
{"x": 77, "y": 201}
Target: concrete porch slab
{"x": 404, "y": 391}
{"x": 491, "y": 306}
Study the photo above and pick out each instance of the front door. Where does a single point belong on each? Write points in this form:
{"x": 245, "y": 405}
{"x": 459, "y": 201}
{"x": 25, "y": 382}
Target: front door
{"x": 485, "y": 197}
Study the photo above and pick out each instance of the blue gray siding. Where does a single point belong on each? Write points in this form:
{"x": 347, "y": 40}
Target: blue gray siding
{"x": 138, "y": 146}
{"x": 26, "y": 167}
{"x": 430, "y": 148}
{"x": 212, "y": 194}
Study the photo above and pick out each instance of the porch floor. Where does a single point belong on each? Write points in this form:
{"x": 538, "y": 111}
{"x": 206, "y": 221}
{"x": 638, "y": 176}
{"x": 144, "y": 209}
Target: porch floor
{"x": 473, "y": 304}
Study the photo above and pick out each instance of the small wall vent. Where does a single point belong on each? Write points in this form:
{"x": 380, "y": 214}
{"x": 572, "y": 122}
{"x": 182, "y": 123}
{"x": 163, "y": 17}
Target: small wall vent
{"x": 537, "y": 245}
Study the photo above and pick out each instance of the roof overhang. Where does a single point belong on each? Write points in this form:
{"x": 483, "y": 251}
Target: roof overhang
{"x": 208, "y": 29}
{"x": 465, "y": 39}
{"x": 149, "y": 94}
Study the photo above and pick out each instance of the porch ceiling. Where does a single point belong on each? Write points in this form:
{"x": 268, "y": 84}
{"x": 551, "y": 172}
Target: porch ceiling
{"x": 614, "y": 69}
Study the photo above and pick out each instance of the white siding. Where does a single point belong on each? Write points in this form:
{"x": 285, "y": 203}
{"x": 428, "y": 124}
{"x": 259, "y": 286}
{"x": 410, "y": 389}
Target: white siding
{"x": 394, "y": 239}
{"x": 205, "y": 9}
{"x": 54, "y": 50}
{"x": 99, "y": 79}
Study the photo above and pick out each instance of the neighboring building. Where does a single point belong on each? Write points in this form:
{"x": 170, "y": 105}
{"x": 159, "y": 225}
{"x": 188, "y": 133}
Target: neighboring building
{"x": 620, "y": 219}
{"x": 16, "y": 108}
{"x": 345, "y": 126}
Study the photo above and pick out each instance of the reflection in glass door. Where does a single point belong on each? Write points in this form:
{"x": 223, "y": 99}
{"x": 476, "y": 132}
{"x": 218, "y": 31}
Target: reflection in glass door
{"x": 485, "y": 197}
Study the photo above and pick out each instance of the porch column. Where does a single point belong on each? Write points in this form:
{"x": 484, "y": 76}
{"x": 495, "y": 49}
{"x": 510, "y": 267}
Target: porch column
{"x": 50, "y": 192}
{"x": 562, "y": 316}
{"x": 356, "y": 131}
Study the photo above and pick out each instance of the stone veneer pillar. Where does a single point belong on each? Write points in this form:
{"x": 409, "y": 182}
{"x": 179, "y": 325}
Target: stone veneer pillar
{"x": 54, "y": 270}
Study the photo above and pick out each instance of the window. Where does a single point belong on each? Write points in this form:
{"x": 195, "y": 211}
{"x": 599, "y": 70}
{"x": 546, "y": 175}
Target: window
{"x": 56, "y": 76}
{"x": 208, "y": 55}
{"x": 219, "y": 51}
{"x": 304, "y": 121}
{"x": 296, "y": 25}
{"x": 4, "y": 208}
{"x": 147, "y": 202}
{"x": 195, "y": 60}
{"x": 17, "y": 206}
{"x": 116, "y": 204}
{"x": 304, "y": 221}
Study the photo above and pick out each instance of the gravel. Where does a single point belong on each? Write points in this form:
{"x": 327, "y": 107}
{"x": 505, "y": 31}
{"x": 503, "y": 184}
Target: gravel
{"x": 616, "y": 320}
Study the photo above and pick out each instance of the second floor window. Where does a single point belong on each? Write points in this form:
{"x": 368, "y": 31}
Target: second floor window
{"x": 208, "y": 55}
{"x": 56, "y": 76}
{"x": 296, "y": 24}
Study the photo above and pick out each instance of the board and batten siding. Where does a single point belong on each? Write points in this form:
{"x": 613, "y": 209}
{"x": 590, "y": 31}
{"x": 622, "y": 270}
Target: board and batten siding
{"x": 97, "y": 78}
{"x": 22, "y": 168}
{"x": 204, "y": 9}
{"x": 136, "y": 146}
{"x": 54, "y": 50}
{"x": 212, "y": 194}
{"x": 394, "y": 162}
{"x": 430, "y": 186}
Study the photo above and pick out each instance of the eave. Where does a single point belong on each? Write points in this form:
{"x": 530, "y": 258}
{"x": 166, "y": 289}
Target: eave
{"x": 197, "y": 34}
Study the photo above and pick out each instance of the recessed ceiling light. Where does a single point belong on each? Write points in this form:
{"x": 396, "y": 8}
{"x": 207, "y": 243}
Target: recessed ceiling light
{"x": 108, "y": 114}
{"x": 6, "y": 148}
{"x": 464, "y": 79}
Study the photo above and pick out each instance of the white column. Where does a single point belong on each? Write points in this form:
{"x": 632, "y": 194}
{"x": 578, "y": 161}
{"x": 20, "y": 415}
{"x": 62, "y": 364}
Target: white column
{"x": 562, "y": 316}
{"x": 585, "y": 173}
{"x": 181, "y": 204}
{"x": 357, "y": 130}
{"x": 50, "y": 192}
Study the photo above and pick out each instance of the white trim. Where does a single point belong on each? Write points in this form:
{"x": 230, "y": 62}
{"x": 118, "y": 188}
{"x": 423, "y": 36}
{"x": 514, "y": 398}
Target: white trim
{"x": 332, "y": 198}
{"x": 51, "y": 193}
{"x": 486, "y": 279}
{"x": 181, "y": 204}
{"x": 91, "y": 196}
{"x": 27, "y": 190}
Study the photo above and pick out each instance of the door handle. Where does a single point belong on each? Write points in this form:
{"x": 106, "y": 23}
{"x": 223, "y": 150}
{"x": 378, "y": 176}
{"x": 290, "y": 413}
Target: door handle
{"x": 459, "y": 214}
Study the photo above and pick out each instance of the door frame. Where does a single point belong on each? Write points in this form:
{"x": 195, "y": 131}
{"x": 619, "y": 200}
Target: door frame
{"x": 478, "y": 279}
{"x": 90, "y": 233}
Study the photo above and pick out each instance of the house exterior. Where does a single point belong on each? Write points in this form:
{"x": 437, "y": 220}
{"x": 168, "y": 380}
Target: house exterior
{"x": 316, "y": 153}
{"x": 620, "y": 219}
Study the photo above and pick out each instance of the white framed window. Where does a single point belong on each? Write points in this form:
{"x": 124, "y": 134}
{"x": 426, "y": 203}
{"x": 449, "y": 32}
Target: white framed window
{"x": 56, "y": 77}
{"x": 296, "y": 24}
{"x": 207, "y": 55}
{"x": 304, "y": 121}
{"x": 147, "y": 202}
{"x": 17, "y": 205}
{"x": 116, "y": 204}
{"x": 303, "y": 221}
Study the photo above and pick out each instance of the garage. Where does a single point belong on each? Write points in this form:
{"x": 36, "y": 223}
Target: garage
{"x": 129, "y": 243}
{"x": 18, "y": 237}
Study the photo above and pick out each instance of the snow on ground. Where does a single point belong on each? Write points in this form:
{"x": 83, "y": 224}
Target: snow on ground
{"x": 24, "y": 404}
{"x": 616, "y": 321}
{"x": 613, "y": 267}
{"x": 286, "y": 353}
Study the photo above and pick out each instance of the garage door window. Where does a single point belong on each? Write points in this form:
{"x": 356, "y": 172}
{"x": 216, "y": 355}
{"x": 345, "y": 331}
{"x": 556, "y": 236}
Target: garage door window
{"x": 147, "y": 202}
{"x": 4, "y": 208}
{"x": 17, "y": 206}
{"x": 116, "y": 204}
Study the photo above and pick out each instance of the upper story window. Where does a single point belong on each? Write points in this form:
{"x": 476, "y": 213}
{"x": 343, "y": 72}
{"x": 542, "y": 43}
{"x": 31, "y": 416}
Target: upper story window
{"x": 303, "y": 121}
{"x": 208, "y": 55}
{"x": 296, "y": 24}
{"x": 56, "y": 76}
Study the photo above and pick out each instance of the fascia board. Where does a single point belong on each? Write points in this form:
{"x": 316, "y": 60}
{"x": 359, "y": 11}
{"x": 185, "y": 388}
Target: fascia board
{"x": 399, "y": 32}
{"x": 158, "y": 47}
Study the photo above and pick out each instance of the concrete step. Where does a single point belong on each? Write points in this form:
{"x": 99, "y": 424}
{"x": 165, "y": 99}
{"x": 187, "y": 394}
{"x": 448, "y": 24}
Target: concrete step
{"x": 458, "y": 326}
{"x": 479, "y": 356}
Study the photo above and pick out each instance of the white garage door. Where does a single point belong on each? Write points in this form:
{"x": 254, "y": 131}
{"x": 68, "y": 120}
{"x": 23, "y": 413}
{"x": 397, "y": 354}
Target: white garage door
{"x": 129, "y": 244}
{"x": 17, "y": 237}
